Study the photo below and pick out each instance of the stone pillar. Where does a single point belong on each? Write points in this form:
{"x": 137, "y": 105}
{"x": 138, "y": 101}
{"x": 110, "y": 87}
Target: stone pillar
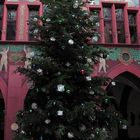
{"x": 102, "y": 40}
{"x": 20, "y": 34}
{"x": 114, "y": 25}
{"x": 4, "y": 23}
{"x": 13, "y": 100}
{"x": 126, "y": 26}
{"x": 138, "y": 26}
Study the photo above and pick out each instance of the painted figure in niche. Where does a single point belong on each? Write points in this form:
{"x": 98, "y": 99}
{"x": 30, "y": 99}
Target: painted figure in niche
{"x": 29, "y": 55}
{"x": 4, "y": 57}
{"x": 102, "y": 63}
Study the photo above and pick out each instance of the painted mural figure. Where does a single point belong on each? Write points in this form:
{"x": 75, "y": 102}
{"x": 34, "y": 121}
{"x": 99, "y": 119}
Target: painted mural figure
{"x": 29, "y": 55}
{"x": 102, "y": 63}
{"x": 4, "y": 60}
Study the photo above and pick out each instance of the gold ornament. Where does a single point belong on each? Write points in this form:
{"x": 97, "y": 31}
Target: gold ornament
{"x": 14, "y": 126}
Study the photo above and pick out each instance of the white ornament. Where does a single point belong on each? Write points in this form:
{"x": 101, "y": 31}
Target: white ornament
{"x": 70, "y": 135}
{"x": 48, "y": 20}
{"x": 88, "y": 78}
{"x": 59, "y": 73}
{"x": 71, "y": 42}
{"x": 32, "y": 54}
{"x": 91, "y": 18}
{"x": 113, "y": 83}
{"x": 60, "y": 88}
{"x": 43, "y": 89}
{"x": 97, "y": 23}
{"x": 47, "y": 121}
{"x": 22, "y": 132}
{"x": 34, "y": 106}
{"x": 103, "y": 130}
{"x": 67, "y": 64}
{"x": 82, "y": 127}
{"x": 52, "y": 39}
{"x": 40, "y": 71}
{"x": 89, "y": 60}
{"x": 91, "y": 92}
{"x": 68, "y": 91}
{"x": 73, "y": 15}
{"x": 75, "y": 5}
{"x": 35, "y": 19}
{"x": 60, "y": 113}
{"x": 35, "y": 31}
{"x": 30, "y": 110}
{"x": 124, "y": 126}
{"x": 92, "y": 136}
{"x": 95, "y": 38}
{"x": 14, "y": 126}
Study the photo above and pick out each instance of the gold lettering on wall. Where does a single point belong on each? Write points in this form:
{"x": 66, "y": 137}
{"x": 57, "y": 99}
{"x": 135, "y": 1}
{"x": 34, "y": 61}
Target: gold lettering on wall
{"x": 22, "y": 22}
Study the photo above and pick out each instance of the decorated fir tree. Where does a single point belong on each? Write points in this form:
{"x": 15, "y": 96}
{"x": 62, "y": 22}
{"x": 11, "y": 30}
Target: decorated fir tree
{"x": 64, "y": 101}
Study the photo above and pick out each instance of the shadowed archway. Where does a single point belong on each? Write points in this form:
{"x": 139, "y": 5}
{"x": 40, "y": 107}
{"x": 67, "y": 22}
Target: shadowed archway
{"x": 126, "y": 89}
{"x": 2, "y": 111}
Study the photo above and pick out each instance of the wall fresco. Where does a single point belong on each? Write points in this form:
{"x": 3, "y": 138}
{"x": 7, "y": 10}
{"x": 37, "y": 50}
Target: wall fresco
{"x": 126, "y": 56}
{"x": 14, "y": 54}
{"x": 117, "y": 56}
{"x": 116, "y": 53}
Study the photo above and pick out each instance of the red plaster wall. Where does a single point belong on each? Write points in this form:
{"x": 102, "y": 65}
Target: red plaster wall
{"x": 14, "y": 90}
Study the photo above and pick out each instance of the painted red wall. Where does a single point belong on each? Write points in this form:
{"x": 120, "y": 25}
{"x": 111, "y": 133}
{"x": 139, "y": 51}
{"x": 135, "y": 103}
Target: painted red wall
{"x": 14, "y": 87}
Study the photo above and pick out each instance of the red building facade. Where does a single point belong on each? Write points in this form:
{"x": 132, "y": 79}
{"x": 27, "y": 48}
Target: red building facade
{"x": 119, "y": 28}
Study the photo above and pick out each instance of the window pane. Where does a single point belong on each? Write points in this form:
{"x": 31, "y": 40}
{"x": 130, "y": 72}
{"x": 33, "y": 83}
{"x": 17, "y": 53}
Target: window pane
{"x": 32, "y": 14}
{"x": 132, "y": 27}
{"x": 132, "y": 19}
{"x": 120, "y": 25}
{"x": 108, "y": 31}
{"x": 120, "y": 31}
{"x": 1, "y": 14}
{"x": 119, "y": 14}
{"x": 108, "y": 24}
{"x": 107, "y": 13}
{"x": 11, "y": 24}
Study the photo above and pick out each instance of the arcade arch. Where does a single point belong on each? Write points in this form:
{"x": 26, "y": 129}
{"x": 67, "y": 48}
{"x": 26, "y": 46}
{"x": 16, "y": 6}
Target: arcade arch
{"x": 126, "y": 89}
{"x": 2, "y": 116}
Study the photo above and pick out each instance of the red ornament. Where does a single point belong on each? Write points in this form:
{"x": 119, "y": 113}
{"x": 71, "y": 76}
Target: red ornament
{"x": 82, "y": 71}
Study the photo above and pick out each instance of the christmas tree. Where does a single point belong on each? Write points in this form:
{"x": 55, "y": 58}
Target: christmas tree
{"x": 64, "y": 101}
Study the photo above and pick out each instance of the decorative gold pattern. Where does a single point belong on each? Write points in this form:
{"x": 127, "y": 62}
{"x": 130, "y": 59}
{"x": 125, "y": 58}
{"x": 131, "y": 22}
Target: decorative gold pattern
{"x": 22, "y": 22}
